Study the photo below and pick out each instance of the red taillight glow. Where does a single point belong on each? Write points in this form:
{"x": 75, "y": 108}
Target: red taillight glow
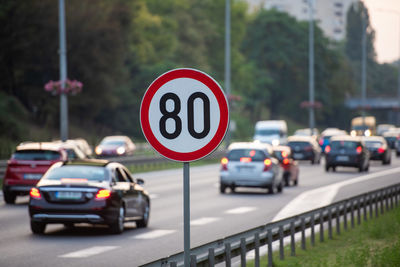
{"x": 381, "y": 150}
{"x": 35, "y": 193}
{"x": 286, "y": 161}
{"x": 267, "y": 164}
{"x": 359, "y": 150}
{"x": 321, "y": 142}
{"x": 103, "y": 194}
{"x": 224, "y": 164}
{"x": 245, "y": 159}
{"x": 327, "y": 149}
{"x": 284, "y": 154}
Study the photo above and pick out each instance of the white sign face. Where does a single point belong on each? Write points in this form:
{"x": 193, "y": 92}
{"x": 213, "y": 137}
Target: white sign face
{"x": 184, "y": 114}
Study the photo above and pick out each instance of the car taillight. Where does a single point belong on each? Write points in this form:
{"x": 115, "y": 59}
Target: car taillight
{"x": 103, "y": 194}
{"x": 321, "y": 142}
{"x": 35, "y": 193}
{"x": 267, "y": 164}
{"x": 286, "y": 161}
{"x": 284, "y": 154}
{"x": 359, "y": 149}
{"x": 224, "y": 164}
{"x": 245, "y": 159}
{"x": 327, "y": 149}
{"x": 381, "y": 150}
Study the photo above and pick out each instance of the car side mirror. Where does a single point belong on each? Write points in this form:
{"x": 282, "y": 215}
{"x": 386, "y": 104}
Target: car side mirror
{"x": 140, "y": 181}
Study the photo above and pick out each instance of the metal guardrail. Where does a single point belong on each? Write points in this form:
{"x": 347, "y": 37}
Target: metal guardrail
{"x": 349, "y": 212}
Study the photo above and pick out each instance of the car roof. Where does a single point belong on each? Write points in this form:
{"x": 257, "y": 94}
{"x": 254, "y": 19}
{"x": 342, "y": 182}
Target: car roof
{"x": 374, "y": 138}
{"x": 88, "y": 162}
{"x": 300, "y": 138}
{"x": 116, "y": 137}
{"x": 281, "y": 148}
{"x": 346, "y": 138}
{"x": 249, "y": 145}
{"x": 38, "y": 146}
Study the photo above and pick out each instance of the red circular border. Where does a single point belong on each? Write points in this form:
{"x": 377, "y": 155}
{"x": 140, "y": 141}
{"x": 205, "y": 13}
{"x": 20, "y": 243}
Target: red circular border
{"x": 223, "y": 106}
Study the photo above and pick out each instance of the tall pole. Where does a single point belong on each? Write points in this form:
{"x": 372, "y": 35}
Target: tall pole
{"x": 63, "y": 73}
{"x": 363, "y": 64}
{"x": 186, "y": 214}
{"x": 228, "y": 60}
{"x": 311, "y": 65}
{"x": 398, "y": 82}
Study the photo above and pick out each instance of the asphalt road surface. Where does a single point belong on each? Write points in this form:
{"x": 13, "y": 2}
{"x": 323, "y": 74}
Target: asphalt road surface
{"x": 213, "y": 216}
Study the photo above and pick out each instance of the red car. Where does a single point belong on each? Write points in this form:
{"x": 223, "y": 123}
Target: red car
{"x": 27, "y": 165}
{"x": 114, "y": 146}
{"x": 289, "y": 165}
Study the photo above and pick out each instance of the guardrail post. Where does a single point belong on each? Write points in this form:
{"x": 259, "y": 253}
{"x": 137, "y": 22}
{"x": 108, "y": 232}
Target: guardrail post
{"x": 352, "y": 213}
{"x": 243, "y": 251}
{"x": 345, "y": 216}
{"x": 257, "y": 250}
{"x": 370, "y": 202}
{"x": 397, "y": 197}
{"x": 365, "y": 207}
{"x": 281, "y": 252}
{"x": 377, "y": 205}
{"x": 303, "y": 234}
{"x": 193, "y": 261}
{"x": 269, "y": 248}
{"x": 330, "y": 223}
{"x": 292, "y": 240}
{"x": 211, "y": 257}
{"x": 387, "y": 196}
{"x": 228, "y": 255}
{"x": 382, "y": 202}
{"x": 359, "y": 211}
{"x": 391, "y": 198}
{"x": 321, "y": 226}
{"x": 338, "y": 219}
{"x": 312, "y": 230}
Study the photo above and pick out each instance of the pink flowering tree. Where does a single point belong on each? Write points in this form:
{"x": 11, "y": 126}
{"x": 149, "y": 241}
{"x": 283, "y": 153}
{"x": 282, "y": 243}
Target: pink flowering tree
{"x": 71, "y": 87}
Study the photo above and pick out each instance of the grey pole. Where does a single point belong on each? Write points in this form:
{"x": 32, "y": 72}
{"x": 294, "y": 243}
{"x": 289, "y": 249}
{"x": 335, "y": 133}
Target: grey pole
{"x": 363, "y": 64}
{"x": 311, "y": 64}
{"x": 63, "y": 73}
{"x": 228, "y": 60}
{"x": 398, "y": 83}
{"x": 186, "y": 214}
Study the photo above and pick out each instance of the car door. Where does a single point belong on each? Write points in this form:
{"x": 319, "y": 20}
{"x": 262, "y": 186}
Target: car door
{"x": 136, "y": 193}
{"x": 124, "y": 187}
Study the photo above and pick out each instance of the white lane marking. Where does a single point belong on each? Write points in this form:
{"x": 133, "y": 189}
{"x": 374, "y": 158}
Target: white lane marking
{"x": 154, "y": 234}
{"x": 84, "y": 253}
{"x": 203, "y": 221}
{"x": 323, "y": 196}
{"x": 240, "y": 210}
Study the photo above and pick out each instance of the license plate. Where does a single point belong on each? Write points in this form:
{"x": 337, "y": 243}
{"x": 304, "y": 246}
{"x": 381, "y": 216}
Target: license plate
{"x": 245, "y": 168}
{"x": 342, "y": 158}
{"x": 298, "y": 155}
{"x": 68, "y": 195}
{"x": 32, "y": 176}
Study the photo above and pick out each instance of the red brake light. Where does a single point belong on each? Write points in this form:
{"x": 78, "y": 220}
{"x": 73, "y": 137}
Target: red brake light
{"x": 381, "y": 150}
{"x": 321, "y": 142}
{"x": 103, "y": 194}
{"x": 267, "y": 164}
{"x": 359, "y": 150}
{"x": 35, "y": 193}
{"x": 327, "y": 149}
{"x": 286, "y": 161}
{"x": 224, "y": 164}
{"x": 245, "y": 159}
{"x": 284, "y": 154}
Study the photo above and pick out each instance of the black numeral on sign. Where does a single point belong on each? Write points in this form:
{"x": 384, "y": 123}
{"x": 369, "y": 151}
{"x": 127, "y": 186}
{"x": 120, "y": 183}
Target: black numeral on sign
{"x": 190, "y": 111}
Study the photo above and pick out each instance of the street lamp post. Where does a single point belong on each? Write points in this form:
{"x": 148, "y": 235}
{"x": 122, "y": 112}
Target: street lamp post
{"x": 363, "y": 64}
{"x": 63, "y": 73}
{"x": 228, "y": 61}
{"x": 311, "y": 65}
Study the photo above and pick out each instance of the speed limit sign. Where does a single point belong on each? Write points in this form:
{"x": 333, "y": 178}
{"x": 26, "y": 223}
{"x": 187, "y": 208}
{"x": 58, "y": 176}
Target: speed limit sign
{"x": 184, "y": 114}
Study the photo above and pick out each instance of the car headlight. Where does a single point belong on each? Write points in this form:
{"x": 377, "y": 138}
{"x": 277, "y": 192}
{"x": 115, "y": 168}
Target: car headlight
{"x": 367, "y": 132}
{"x": 275, "y": 142}
{"x": 121, "y": 150}
{"x": 353, "y": 133}
{"x": 98, "y": 150}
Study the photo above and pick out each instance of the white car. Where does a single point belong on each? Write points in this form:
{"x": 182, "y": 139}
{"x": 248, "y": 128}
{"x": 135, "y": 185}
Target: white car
{"x": 250, "y": 165}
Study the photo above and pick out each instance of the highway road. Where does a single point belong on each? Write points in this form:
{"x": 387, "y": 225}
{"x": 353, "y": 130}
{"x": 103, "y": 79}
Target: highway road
{"x": 213, "y": 216}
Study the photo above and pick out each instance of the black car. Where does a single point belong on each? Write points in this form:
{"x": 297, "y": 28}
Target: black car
{"x": 305, "y": 148}
{"x": 391, "y": 137}
{"x": 88, "y": 191}
{"x": 378, "y": 148}
{"x": 347, "y": 151}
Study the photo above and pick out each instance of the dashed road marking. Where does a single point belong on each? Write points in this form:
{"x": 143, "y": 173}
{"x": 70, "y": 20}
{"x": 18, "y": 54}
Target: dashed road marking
{"x": 84, "y": 253}
{"x": 153, "y": 234}
{"x": 203, "y": 221}
{"x": 240, "y": 210}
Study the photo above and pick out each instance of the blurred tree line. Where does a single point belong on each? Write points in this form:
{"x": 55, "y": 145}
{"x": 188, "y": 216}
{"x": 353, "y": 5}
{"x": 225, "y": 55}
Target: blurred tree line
{"x": 116, "y": 48}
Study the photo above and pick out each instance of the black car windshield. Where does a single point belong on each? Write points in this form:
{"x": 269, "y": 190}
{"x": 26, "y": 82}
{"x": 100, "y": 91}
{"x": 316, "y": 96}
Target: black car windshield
{"x": 344, "y": 144}
{"x": 91, "y": 173}
{"x": 373, "y": 144}
{"x": 299, "y": 144}
{"x": 254, "y": 154}
{"x": 36, "y": 155}
{"x": 113, "y": 142}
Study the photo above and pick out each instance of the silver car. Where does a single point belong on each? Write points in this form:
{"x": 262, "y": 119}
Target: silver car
{"x": 250, "y": 165}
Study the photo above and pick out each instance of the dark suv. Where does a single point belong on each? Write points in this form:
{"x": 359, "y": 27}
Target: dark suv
{"x": 27, "y": 165}
{"x": 347, "y": 151}
{"x": 305, "y": 148}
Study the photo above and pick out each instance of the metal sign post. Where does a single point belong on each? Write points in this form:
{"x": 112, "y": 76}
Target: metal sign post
{"x": 184, "y": 116}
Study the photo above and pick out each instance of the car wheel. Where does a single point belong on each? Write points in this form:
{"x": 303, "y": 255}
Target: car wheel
{"x": 398, "y": 154}
{"x": 360, "y": 168}
{"x": 38, "y": 227}
{"x": 271, "y": 189}
{"x": 295, "y": 182}
{"x": 367, "y": 168}
{"x": 333, "y": 168}
{"x": 327, "y": 167}
{"x": 9, "y": 197}
{"x": 280, "y": 187}
{"x": 69, "y": 225}
{"x": 145, "y": 219}
{"x": 118, "y": 226}
{"x": 286, "y": 178}
{"x": 233, "y": 189}
{"x": 222, "y": 188}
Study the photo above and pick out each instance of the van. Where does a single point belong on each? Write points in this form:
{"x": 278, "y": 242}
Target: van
{"x": 363, "y": 126}
{"x": 272, "y": 131}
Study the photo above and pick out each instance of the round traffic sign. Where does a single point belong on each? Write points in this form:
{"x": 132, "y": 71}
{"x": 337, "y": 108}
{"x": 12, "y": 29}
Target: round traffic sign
{"x": 184, "y": 114}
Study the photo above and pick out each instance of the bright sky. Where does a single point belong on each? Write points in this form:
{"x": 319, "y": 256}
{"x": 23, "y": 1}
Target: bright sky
{"x": 385, "y": 19}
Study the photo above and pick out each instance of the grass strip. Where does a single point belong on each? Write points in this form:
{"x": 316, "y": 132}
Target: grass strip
{"x": 168, "y": 165}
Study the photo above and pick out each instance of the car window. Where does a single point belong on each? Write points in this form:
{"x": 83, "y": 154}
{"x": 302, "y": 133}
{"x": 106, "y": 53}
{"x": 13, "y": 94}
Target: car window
{"x": 373, "y": 144}
{"x": 345, "y": 144}
{"x": 113, "y": 142}
{"x": 121, "y": 175}
{"x": 128, "y": 175}
{"x": 36, "y": 155}
{"x": 254, "y": 154}
{"x": 91, "y": 173}
{"x": 299, "y": 144}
